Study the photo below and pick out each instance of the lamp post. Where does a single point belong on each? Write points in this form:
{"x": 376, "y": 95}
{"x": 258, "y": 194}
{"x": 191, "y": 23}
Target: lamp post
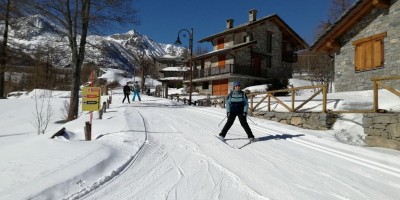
{"x": 178, "y": 42}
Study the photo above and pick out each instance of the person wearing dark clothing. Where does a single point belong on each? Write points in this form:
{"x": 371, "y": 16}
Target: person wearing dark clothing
{"x": 136, "y": 90}
{"x": 237, "y": 105}
{"x": 127, "y": 92}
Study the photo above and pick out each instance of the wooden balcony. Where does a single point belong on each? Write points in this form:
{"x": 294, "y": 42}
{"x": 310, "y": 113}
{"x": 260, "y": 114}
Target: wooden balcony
{"x": 230, "y": 69}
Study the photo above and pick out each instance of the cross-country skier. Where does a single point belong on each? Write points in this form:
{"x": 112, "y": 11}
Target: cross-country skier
{"x": 127, "y": 92}
{"x": 237, "y": 105}
{"x": 136, "y": 90}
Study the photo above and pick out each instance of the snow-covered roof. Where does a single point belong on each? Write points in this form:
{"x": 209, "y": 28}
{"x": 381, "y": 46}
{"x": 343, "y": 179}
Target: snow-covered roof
{"x": 171, "y": 79}
{"x": 175, "y": 69}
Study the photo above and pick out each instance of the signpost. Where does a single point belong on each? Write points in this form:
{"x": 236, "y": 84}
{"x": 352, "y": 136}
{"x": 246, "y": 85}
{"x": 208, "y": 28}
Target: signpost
{"x": 90, "y": 102}
{"x": 91, "y": 98}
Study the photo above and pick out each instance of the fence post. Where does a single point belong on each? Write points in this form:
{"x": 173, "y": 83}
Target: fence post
{"x": 324, "y": 97}
{"x": 251, "y": 102}
{"x": 375, "y": 100}
{"x": 293, "y": 96}
{"x": 101, "y": 113}
{"x": 88, "y": 131}
{"x": 269, "y": 102}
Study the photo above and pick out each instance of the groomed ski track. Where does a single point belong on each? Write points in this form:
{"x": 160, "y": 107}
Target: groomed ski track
{"x": 181, "y": 159}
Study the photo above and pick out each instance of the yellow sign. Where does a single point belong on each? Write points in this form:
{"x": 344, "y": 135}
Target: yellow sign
{"x": 91, "y": 98}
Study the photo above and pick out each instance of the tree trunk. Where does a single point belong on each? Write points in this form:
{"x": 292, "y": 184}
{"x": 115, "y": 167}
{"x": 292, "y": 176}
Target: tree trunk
{"x": 77, "y": 59}
{"x": 3, "y": 57}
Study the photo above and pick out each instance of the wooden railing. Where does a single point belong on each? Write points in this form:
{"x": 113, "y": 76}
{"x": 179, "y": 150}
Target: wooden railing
{"x": 377, "y": 81}
{"x": 292, "y": 108}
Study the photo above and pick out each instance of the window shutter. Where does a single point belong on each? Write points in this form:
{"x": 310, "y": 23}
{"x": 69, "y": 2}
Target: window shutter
{"x": 359, "y": 57}
{"x": 368, "y": 55}
{"x": 369, "y": 52}
{"x": 378, "y": 53}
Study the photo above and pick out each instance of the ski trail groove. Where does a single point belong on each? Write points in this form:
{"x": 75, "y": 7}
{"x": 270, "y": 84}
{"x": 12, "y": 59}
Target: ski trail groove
{"x": 328, "y": 150}
{"x": 88, "y": 191}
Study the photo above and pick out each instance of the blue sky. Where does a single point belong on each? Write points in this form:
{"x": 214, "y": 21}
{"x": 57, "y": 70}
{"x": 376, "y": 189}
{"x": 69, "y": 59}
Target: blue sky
{"x": 162, "y": 19}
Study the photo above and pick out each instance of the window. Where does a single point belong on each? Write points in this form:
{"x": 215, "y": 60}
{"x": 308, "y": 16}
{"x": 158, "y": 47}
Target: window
{"x": 204, "y": 86}
{"x": 269, "y": 41}
{"x": 369, "y": 52}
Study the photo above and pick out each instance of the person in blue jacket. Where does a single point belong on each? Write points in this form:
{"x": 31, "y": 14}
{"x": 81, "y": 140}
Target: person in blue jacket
{"x": 136, "y": 91}
{"x": 237, "y": 105}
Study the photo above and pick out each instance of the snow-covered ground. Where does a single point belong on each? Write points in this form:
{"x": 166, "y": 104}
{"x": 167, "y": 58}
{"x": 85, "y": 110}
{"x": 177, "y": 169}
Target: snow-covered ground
{"x": 161, "y": 149}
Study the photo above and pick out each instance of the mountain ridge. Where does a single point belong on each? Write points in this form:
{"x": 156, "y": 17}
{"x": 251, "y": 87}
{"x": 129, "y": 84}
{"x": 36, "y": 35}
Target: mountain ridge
{"x": 35, "y": 33}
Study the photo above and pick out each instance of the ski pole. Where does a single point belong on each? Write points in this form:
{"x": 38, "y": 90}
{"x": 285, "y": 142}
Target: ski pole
{"x": 251, "y": 120}
{"x": 222, "y": 121}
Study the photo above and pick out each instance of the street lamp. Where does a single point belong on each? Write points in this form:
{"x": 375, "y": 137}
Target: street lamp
{"x": 178, "y": 42}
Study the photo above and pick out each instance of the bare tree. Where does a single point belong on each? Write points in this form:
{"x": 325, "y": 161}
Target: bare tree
{"x": 146, "y": 68}
{"x": 9, "y": 9}
{"x": 321, "y": 28}
{"x": 43, "y": 110}
{"x": 77, "y": 18}
{"x": 3, "y": 48}
{"x": 336, "y": 9}
{"x": 316, "y": 67}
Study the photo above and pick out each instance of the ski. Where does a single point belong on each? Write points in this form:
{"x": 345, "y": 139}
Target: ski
{"x": 235, "y": 147}
{"x": 224, "y": 141}
{"x": 255, "y": 140}
{"x": 245, "y": 145}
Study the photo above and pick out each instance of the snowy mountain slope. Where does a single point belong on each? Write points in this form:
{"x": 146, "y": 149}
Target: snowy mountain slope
{"x": 36, "y": 34}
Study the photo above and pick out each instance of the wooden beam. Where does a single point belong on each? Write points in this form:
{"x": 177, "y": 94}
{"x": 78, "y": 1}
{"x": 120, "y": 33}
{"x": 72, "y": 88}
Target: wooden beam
{"x": 333, "y": 45}
{"x": 381, "y": 3}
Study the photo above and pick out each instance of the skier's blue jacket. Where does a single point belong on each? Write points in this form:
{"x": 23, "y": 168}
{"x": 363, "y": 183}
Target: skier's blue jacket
{"x": 237, "y": 102}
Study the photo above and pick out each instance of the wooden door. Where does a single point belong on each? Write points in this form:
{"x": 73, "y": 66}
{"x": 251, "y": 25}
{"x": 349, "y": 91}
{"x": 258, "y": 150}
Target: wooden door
{"x": 220, "y": 87}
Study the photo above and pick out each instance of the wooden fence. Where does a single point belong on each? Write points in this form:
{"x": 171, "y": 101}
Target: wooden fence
{"x": 320, "y": 89}
{"x": 377, "y": 81}
{"x": 292, "y": 108}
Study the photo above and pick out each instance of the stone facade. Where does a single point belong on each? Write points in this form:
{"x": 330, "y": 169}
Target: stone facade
{"x": 258, "y": 52}
{"x": 378, "y": 21}
{"x": 382, "y": 129}
{"x": 315, "y": 121}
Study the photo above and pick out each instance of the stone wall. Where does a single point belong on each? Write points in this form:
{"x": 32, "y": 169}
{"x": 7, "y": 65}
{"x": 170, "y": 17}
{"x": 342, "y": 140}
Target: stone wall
{"x": 378, "y": 21}
{"x": 315, "y": 121}
{"x": 382, "y": 130}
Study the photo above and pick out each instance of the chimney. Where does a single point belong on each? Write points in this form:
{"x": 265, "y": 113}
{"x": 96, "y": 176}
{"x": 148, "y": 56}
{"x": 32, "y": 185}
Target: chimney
{"x": 252, "y": 15}
{"x": 229, "y": 23}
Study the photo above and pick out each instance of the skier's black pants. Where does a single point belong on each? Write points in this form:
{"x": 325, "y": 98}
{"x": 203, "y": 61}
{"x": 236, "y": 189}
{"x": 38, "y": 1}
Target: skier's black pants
{"x": 243, "y": 122}
{"x": 126, "y": 96}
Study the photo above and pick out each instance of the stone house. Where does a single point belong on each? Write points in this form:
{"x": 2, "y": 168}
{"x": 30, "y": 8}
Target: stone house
{"x": 260, "y": 51}
{"x": 172, "y": 70}
{"x": 365, "y": 43}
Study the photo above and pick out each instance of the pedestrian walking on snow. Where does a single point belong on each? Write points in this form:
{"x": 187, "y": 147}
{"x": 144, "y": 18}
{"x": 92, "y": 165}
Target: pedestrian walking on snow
{"x": 136, "y": 91}
{"x": 237, "y": 105}
{"x": 127, "y": 92}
